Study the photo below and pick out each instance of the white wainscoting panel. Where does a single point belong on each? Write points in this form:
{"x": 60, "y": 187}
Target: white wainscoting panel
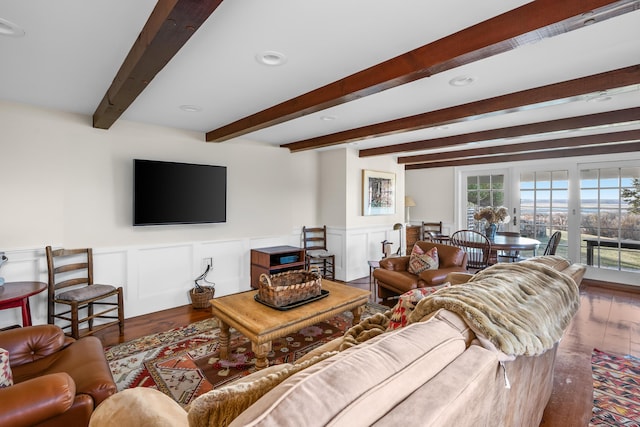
{"x": 159, "y": 277}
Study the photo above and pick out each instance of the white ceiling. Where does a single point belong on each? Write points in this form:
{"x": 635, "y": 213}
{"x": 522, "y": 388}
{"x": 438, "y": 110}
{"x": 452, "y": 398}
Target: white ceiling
{"x": 72, "y": 50}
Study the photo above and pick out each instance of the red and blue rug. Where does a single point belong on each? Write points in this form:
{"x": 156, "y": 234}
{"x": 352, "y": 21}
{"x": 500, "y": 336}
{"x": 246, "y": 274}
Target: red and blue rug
{"x": 184, "y": 362}
{"x": 616, "y": 390}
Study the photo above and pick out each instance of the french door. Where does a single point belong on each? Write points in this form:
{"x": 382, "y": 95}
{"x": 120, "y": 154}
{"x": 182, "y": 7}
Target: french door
{"x": 609, "y": 222}
{"x": 540, "y": 207}
{"x": 595, "y": 206}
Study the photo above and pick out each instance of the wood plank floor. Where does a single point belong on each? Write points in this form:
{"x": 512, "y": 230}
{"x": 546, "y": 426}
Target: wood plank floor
{"x": 608, "y": 319}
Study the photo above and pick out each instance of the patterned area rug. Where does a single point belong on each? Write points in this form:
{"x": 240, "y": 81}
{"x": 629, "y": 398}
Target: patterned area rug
{"x": 616, "y": 390}
{"x": 183, "y": 362}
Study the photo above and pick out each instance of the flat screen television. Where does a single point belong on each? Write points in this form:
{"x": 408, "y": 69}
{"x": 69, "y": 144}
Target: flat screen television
{"x": 178, "y": 193}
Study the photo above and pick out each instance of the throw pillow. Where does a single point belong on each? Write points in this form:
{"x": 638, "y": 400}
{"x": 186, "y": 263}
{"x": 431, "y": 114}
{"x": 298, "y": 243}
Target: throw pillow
{"x": 420, "y": 260}
{"x": 407, "y": 302}
{"x": 6, "y": 377}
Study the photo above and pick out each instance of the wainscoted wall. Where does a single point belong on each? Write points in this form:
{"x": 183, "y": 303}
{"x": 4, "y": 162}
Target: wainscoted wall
{"x": 157, "y": 277}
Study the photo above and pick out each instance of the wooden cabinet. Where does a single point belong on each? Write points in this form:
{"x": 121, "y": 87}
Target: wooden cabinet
{"x": 412, "y": 236}
{"x": 273, "y": 260}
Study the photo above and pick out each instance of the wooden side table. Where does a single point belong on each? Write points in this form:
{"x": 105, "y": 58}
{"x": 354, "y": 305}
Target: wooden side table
{"x": 16, "y": 294}
{"x": 412, "y": 236}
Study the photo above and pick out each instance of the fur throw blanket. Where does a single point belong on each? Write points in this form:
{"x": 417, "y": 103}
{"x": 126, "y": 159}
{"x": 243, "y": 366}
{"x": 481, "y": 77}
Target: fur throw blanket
{"x": 365, "y": 330}
{"x": 521, "y": 308}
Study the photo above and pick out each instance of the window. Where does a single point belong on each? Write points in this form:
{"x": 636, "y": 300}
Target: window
{"x": 609, "y": 228}
{"x": 544, "y": 206}
{"x": 483, "y": 190}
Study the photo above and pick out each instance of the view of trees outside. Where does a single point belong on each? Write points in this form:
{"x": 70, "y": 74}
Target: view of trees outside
{"x": 609, "y": 217}
{"x": 483, "y": 190}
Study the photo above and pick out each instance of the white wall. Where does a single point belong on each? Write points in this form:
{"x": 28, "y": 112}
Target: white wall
{"x": 67, "y": 183}
{"x": 433, "y": 192}
{"x": 352, "y": 237}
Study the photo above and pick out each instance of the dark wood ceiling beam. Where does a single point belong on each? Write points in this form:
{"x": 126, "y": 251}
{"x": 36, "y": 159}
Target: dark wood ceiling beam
{"x": 576, "y": 141}
{"x": 531, "y": 22}
{"x": 544, "y": 95}
{"x": 570, "y": 123}
{"x": 536, "y": 155}
{"x": 169, "y": 27}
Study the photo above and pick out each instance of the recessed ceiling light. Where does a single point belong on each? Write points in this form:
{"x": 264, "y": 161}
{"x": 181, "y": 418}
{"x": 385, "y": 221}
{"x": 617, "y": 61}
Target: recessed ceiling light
{"x": 191, "y": 108}
{"x": 462, "y": 81}
{"x": 10, "y": 29}
{"x": 600, "y": 97}
{"x": 271, "y": 58}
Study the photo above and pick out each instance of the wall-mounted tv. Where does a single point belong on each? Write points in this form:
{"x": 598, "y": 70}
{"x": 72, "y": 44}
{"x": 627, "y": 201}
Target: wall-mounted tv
{"x": 178, "y": 193}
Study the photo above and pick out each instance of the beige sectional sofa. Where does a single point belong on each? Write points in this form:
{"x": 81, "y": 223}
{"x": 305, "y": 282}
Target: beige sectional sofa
{"x": 479, "y": 353}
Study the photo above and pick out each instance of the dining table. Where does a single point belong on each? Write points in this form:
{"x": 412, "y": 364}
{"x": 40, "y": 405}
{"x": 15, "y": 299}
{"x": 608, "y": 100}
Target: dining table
{"x": 508, "y": 243}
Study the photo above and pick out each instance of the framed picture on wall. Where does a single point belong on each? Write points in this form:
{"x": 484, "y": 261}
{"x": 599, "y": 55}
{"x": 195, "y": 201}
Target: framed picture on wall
{"x": 378, "y": 193}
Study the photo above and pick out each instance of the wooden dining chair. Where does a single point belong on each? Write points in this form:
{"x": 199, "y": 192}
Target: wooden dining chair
{"x": 71, "y": 284}
{"x": 552, "y": 244}
{"x": 430, "y": 227}
{"x": 316, "y": 253}
{"x": 476, "y": 245}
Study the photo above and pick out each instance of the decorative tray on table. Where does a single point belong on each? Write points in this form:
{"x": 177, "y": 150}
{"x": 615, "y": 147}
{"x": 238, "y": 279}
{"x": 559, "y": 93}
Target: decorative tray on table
{"x": 323, "y": 293}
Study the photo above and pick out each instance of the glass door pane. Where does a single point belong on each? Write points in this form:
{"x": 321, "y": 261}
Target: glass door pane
{"x": 610, "y": 218}
{"x": 483, "y": 191}
{"x": 544, "y": 207}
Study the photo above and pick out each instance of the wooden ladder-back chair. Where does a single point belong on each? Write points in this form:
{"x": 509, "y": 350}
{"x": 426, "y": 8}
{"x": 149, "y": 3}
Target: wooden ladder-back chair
{"x": 552, "y": 244}
{"x": 476, "y": 245}
{"x": 430, "y": 227}
{"x": 71, "y": 284}
{"x": 316, "y": 253}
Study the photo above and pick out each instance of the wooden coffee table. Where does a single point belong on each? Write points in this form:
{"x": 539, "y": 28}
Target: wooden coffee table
{"x": 262, "y": 324}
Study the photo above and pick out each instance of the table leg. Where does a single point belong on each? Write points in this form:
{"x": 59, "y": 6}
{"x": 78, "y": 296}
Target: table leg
{"x": 589, "y": 253}
{"x": 26, "y": 312}
{"x": 223, "y": 340}
{"x": 261, "y": 351}
{"x": 357, "y": 312}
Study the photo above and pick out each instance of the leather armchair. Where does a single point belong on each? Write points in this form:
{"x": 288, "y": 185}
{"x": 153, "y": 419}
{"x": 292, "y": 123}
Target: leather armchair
{"x": 393, "y": 279}
{"x": 58, "y": 381}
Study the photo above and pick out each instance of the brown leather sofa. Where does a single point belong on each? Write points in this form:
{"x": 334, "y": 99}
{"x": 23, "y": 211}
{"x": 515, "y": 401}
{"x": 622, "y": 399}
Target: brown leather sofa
{"x": 58, "y": 381}
{"x": 393, "y": 279}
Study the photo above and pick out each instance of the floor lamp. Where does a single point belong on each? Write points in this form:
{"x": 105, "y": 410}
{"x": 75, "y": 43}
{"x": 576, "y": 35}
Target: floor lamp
{"x": 409, "y": 203}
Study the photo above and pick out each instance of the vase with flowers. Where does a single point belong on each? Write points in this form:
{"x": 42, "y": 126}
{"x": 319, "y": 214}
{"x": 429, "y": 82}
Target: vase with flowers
{"x": 490, "y": 217}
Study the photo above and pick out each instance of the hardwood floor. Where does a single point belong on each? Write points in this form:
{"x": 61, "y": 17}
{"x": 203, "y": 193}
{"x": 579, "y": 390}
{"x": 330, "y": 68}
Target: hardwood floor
{"x": 608, "y": 319}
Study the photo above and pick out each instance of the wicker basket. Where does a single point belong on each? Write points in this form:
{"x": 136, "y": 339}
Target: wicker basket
{"x": 289, "y": 287}
{"x": 201, "y": 299}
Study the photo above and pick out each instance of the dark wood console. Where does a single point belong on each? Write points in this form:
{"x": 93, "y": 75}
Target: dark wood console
{"x": 273, "y": 260}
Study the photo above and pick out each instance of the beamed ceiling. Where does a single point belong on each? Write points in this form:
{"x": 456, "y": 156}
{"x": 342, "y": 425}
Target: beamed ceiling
{"x": 547, "y": 79}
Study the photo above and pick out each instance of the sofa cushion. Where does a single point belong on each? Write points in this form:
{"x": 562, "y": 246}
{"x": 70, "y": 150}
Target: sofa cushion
{"x": 459, "y": 395}
{"x": 6, "y": 378}
{"x": 379, "y": 373}
{"x": 421, "y": 260}
{"x": 407, "y": 302}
